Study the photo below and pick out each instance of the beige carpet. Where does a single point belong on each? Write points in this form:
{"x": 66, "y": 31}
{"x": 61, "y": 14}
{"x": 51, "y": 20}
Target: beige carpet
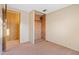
{"x": 41, "y": 48}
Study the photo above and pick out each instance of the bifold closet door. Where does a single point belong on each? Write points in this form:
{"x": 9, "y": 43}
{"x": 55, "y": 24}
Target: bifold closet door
{"x": 12, "y": 37}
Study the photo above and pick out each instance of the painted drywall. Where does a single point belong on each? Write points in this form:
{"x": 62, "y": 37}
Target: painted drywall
{"x": 31, "y": 27}
{"x": 62, "y": 27}
{"x": 24, "y": 32}
{"x": 38, "y": 7}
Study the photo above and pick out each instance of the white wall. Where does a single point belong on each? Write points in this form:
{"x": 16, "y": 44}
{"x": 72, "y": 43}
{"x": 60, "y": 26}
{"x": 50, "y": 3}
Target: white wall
{"x": 31, "y": 27}
{"x": 62, "y": 27}
{"x": 24, "y": 27}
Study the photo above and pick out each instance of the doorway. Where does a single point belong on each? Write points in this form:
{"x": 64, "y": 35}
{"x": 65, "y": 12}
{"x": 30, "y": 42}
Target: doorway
{"x": 39, "y": 27}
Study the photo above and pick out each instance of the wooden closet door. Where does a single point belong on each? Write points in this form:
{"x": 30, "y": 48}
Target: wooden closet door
{"x": 40, "y": 28}
{"x": 12, "y": 39}
{"x": 43, "y": 27}
{"x": 37, "y": 31}
{"x": 13, "y": 24}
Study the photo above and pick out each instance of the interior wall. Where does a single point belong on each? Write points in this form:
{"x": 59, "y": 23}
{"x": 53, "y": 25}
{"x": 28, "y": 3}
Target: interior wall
{"x": 31, "y": 27}
{"x": 62, "y": 27}
{"x": 24, "y": 32}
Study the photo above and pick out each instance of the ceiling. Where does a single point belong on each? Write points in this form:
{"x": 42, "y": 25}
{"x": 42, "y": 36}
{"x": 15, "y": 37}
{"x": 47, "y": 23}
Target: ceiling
{"x": 38, "y": 7}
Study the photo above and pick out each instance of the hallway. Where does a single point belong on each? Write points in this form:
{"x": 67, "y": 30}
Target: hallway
{"x": 41, "y": 48}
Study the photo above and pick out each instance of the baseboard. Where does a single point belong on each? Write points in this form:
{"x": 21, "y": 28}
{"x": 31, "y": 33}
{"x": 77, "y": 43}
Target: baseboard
{"x": 63, "y": 46}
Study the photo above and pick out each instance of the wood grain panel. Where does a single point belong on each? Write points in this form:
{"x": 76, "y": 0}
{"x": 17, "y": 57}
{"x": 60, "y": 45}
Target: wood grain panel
{"x": 13, "y": 24}
{"x": 43, "y": 26}
{"x": 37, "y": 28}
{"x": 40, "y": 27}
